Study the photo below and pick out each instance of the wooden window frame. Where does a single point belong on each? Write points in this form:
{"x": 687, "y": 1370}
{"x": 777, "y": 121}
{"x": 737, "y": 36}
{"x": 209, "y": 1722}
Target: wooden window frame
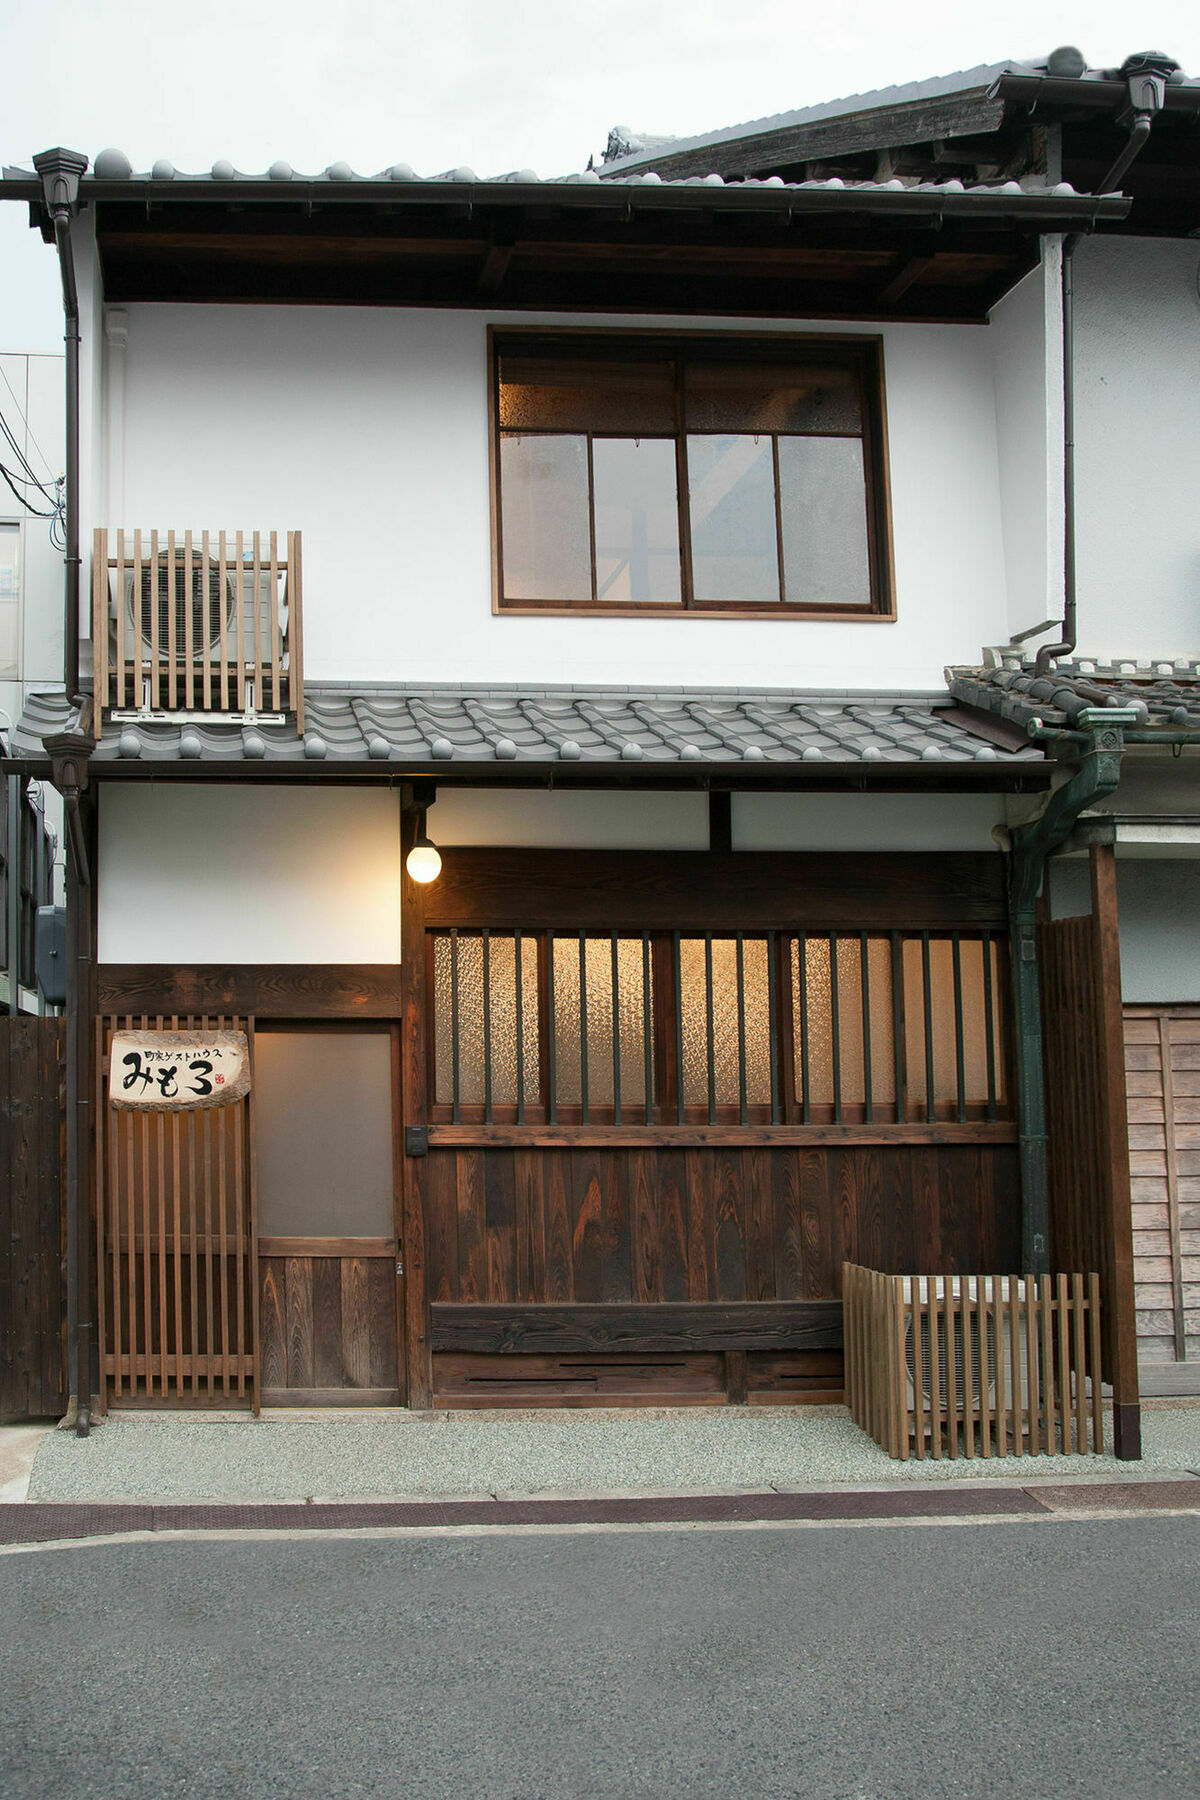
{"x": 863, "y": 351}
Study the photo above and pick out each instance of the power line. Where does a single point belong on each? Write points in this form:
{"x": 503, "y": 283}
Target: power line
{"x": 25, "y": 421}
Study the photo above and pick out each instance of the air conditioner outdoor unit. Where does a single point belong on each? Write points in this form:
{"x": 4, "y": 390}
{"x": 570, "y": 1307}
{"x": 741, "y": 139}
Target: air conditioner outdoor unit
{"x": 198, "y": 624}
{"x": 946, "y": 1292}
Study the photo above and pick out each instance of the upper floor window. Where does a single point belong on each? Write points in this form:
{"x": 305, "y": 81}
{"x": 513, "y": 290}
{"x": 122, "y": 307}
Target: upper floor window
{"x": 690, "y": 474}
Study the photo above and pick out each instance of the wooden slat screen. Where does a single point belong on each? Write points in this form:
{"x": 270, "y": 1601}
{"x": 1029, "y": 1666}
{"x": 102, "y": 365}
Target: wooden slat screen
{"x": 733, "y": 1028}
{"x": 176, "y": 1242}
{"x": 983, "y": 1365}
{"x": 197, "y": 621}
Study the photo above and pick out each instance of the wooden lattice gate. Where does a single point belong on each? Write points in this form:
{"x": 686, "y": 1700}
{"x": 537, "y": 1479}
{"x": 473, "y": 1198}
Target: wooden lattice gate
{"x": 176, "y": 1243}
{"x": 32, "y": 1277}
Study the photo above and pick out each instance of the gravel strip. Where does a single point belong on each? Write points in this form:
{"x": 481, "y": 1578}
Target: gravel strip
{"x": 385, "y": 1455}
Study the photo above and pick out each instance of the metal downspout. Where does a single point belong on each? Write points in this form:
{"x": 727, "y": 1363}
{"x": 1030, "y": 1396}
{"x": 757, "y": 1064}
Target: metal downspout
{"x": 60, "y": 171}
{"x": 1096, "y": 776}
{"x": 1147, "y": 88}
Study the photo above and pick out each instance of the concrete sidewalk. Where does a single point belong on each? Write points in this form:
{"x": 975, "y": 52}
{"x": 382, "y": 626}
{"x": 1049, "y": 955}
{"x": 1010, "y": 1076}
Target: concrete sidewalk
{"x": 391, "y": 1455}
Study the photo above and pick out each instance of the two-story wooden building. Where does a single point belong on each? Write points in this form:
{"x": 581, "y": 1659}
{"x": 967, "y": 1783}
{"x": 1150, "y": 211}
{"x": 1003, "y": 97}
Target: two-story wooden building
{"x": 610, "y": 538}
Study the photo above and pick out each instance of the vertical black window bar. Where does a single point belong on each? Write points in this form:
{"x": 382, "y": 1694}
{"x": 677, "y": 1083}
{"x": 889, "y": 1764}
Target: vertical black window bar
{"x": 520, "y": 1014}
{"x": 741, "y": 1019}
{"x": 487, "y": 1027}
{"x": 865, "y": 984}
{"x": 647, "y": 1031}
{"x": 898, "y": 1027}
{"x": 616, "y": 1034}
{"x": 960, "y": 1054}
{"x": 927, "y": 1006}
{"x": 551, "y": 1035}
{"x": 835, "y": 1029}
{"x": 805, "y": 1085}
{"x": 583, "y": 1029}
{"x": 989, "y": 1025}
{"x": 773, "y": 1019}
{"x": 710, "y": 1041}
{"x": 455, "y": 1071}
{"x": 678, "y": 992}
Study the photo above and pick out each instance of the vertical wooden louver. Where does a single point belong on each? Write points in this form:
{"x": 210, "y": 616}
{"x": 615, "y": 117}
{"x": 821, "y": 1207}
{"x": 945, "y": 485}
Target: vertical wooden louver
{"x": 197, "y": 622}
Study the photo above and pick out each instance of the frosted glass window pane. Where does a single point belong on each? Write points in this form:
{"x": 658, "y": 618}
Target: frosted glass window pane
{"x": 545, "y": 518}
{"x": 581, "y": 394}
{"x": 637, "y": 521}
{"x": 823, "y": 506}
{"x": 731, "y": 489}
{"x": 501, "y": 952}
{"x": 693, "y": 983}
{"x": 753, "y": 397}
{"x": 630, "y": 1016}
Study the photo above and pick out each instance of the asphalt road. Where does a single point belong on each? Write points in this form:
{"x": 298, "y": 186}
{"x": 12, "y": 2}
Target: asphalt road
{"x": 870, "y": 1663}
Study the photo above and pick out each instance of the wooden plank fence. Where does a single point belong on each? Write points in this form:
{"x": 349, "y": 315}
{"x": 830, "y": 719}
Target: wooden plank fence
{"x": 974, "y": 1365}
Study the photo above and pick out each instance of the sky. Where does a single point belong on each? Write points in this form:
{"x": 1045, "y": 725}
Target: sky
{"x": 490, "y": 84}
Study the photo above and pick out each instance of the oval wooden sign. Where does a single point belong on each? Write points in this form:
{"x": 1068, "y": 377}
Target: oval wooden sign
{"x": 177, "y": 1071}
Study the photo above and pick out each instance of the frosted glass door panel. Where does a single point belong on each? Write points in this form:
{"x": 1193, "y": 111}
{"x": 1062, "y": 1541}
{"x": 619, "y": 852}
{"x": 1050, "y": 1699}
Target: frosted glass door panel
{"x": 323, "y": 1132}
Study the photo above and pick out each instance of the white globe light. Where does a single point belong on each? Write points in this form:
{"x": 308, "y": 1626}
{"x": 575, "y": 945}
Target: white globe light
{"x": 423, "y": 862}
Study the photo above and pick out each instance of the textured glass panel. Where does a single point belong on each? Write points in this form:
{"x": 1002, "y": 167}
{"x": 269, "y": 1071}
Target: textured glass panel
{"x": 503, "y": 997}
{"x": 637, "y": 521}
{"x": 850, "y": 1046}
{"x": 545, "y": 518}
{"x": 503, "y": 1015}
{"x": 817, "y": 997}
{"x": 731, "y": 488}
{"x": 578, "y": 394}
{"x": 630, "y": 1016}
{"x": 823, "y": 507}
{"x": 999, "y": 991}
{"x": 941, "y": 988}
{"x": 470, "y": 1020}
{"x": 757, "y": 397}
{"x": 693, "y": 984}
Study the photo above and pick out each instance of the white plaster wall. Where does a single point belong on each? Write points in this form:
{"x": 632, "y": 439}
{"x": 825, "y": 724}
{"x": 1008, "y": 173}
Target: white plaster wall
{"x": 865, "y": 821}
{"x": 1137, "y": 325}
{"x": 198, "y": 873}
{"x": 367, "y": 429}
{"x": 531, "y": 818}
{"x": 1026, "y": 339}
{"x": 1158, "y": 906}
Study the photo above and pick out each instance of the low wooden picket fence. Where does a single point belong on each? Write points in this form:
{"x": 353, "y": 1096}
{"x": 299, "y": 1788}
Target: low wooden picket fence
{"x": 974, "y": 1365}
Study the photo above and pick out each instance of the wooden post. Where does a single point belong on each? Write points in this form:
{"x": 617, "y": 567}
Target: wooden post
{"x": 1117, "y": 1212}
{"x": 410, "y": 1222}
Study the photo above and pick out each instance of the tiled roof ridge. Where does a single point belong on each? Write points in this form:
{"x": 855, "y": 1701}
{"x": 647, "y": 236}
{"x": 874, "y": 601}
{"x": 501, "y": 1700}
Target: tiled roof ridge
{"x": 1165, "y": 692}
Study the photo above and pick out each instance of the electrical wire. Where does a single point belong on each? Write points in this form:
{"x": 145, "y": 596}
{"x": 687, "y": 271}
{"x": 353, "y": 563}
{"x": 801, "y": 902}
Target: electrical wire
{"x": 11, "y": 484}
{"x": 28, "y": 478}
{"x": 25, "y": 421}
